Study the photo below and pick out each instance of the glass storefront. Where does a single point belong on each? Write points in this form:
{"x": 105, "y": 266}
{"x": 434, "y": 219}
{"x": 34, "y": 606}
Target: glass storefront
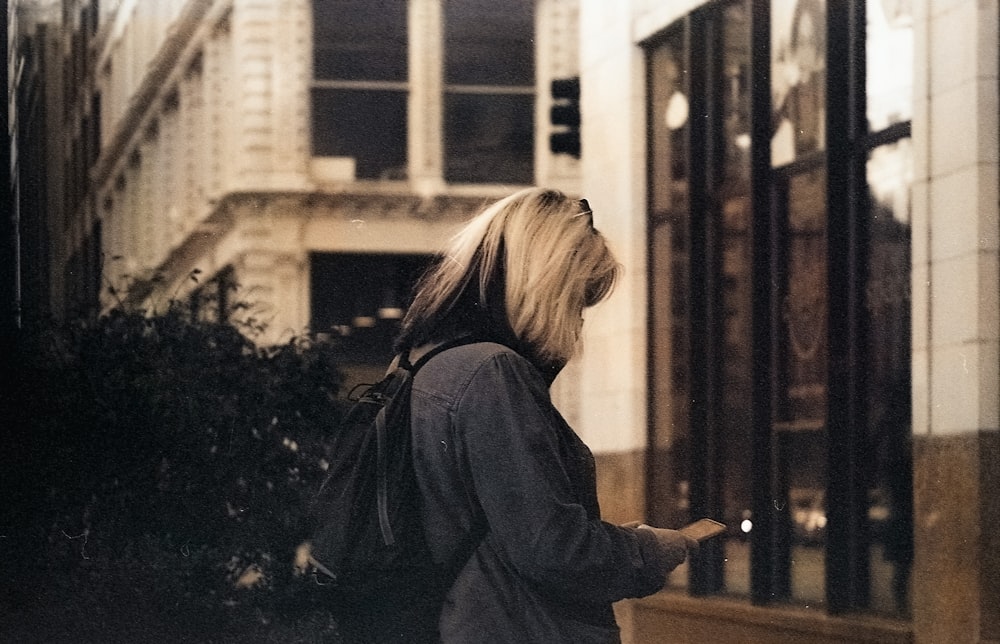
{"x": 779, "y": 279}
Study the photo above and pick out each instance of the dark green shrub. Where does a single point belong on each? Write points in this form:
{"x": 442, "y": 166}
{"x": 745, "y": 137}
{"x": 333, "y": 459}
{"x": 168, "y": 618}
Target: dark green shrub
{"x": 168, "y": 446}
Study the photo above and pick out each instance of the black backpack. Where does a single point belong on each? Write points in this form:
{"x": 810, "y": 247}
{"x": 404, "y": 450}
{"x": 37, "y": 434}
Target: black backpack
{"x": 369, "y": 550}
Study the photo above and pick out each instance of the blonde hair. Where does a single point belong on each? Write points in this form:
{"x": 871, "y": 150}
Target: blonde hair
{"x": 533, "y": 258}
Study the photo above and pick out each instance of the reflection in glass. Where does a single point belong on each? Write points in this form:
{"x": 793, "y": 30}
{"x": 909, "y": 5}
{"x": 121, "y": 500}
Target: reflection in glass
{"x": 369, "y": 126}
{"x": 798, "y": 79}
{"x": 669, "y": 257}
{"x": 669, "y": 122}
{"x": 804, "y": 305}
{"x": 890, "y": 513}
{"x": 889, "y": 55}
{"x": 359, "y": 40}
{"x": 802, "y": 372}
{"x": 734, "y": 293}
{"x": 489, "y": 138}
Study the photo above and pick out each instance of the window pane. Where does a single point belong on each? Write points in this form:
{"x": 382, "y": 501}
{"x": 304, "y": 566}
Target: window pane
{"x": 669, "y": 124}
{"x": 890, "y": 514}
{"x": 734, "y": 297}
{"x": 489, "y": 138}
{"x": 360, "y": 298}
{"x": 359, "y": 40}
{"x": 798, "y": 78}
{"x": 489, "y": 42}
{"x": 368, "y": 126}
{"x": 802, "y": 401}
{"x": 669, "y": 333}
{"x": 800, "y": 436}
{"x": 890, "y": 62}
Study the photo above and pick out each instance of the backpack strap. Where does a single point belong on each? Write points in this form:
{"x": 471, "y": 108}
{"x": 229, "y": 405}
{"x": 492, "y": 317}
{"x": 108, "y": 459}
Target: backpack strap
{"x": 404, "y": 358}
{"x": 381, "y": 433}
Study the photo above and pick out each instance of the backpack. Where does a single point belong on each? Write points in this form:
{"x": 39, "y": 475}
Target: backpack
{"x": 368, "y": 550}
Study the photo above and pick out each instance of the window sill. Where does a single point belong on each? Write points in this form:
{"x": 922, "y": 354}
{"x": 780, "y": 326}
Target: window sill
{"x": 709, "y": 618}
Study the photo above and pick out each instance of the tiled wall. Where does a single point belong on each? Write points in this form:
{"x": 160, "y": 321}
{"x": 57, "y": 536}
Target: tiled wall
{"x": 956, "y": 326}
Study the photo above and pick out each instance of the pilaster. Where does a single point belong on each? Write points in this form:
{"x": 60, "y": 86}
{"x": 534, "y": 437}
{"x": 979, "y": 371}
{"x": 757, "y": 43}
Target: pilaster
{"x": 956, "y": 323}
{"x": 425, "y": 128}
{"x": 270, "y": 41}
{"x": 275, "y": 285}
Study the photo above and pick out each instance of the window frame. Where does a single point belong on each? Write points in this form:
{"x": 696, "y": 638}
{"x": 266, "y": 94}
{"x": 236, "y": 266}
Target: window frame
{"x": 847, "y": 581}
{"x": 460, "y": 90}
{"x": 426, "y": 147}
{"x": 319, "y": 85}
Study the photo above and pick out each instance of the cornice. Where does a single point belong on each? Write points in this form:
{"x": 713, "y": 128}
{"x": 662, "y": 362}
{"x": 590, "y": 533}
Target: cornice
{"x": 240, "y": 207}
{"x": 352, "y": 204}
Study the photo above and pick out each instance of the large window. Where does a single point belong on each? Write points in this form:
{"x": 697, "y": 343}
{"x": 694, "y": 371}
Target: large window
{"x": 779, "y": 308}
{"x": 489, "y": 100}
{"x": 360, "y": 84}
{"x": 483, "y": 116}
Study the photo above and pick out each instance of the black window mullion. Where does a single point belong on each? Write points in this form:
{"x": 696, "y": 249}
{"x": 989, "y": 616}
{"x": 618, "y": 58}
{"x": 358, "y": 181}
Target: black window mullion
{"x": 709, "y": 568}
{"x": 699, "y": 294}
{"x": 776, "y": 504}
{"x": 859, "y": 356}
{"x": 847, "y": 567}
{"x": 761, "y": 546}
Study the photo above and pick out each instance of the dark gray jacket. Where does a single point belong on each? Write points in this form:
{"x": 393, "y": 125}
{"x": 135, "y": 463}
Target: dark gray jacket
{"x": 494, "y": 456}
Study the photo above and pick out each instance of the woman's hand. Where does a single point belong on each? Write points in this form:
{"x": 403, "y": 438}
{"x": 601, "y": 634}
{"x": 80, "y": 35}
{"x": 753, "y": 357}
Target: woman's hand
{"x": 674, "y": 546}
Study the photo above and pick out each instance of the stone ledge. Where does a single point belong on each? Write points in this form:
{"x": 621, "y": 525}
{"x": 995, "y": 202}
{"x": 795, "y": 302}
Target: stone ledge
{"x": 720, "y": 620}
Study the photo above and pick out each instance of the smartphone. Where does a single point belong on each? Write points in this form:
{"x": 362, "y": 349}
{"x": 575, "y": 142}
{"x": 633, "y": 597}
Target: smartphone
{"x": 703, "y": 529}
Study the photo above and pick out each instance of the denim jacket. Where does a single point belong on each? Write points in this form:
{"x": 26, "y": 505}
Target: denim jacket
{"x": 503, "y": 476}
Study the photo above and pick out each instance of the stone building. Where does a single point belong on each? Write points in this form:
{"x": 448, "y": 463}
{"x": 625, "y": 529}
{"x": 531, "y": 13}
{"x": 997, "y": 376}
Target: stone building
{"x": 286, "y": 163}
{"x": 804, "y": 193}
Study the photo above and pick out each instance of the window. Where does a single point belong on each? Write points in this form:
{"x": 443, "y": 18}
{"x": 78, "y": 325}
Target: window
{"x": 779, "y": 308}
{"x": 480, "y": 116}
{"x": 489, "y": 101}
{"x": 361, "y": 298}
{"x": 360, "y": 86}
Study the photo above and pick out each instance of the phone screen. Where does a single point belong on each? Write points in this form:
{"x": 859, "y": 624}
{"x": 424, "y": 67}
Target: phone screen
{"x": 703, "y": 529}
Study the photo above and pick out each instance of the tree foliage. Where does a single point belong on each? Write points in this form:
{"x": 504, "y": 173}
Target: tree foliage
{"x": 169, "y": 445}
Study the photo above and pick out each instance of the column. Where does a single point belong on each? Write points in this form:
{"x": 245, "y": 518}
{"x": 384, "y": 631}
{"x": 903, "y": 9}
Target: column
{"x": 275, "y": 285}
{"x": 955, "y": 324}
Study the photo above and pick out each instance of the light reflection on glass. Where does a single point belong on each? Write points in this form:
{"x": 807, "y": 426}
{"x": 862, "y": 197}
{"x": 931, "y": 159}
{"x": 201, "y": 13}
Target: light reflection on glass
{"x": 890, "y": 511}
{"x": 798, "y": 79}
{"x": 890, "y": 62}
{"x": 669, "y": 294}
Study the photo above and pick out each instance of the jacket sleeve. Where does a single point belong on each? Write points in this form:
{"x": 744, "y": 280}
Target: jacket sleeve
{"x": 508, "y": 429}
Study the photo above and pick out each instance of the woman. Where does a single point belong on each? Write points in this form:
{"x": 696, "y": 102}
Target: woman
{"x": 508, "y": 489}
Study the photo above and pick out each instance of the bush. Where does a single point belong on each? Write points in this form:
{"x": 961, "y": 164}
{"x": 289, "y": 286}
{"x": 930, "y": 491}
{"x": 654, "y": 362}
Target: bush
{"x": 173, "y": 449}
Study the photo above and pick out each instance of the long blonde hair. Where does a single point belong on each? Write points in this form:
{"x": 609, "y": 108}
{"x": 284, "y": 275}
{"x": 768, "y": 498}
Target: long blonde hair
{"x": 531, "y": 263}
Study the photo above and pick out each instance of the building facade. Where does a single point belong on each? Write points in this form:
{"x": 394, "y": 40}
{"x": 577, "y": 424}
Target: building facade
{"x": 291, "y": 165}
{"x": 803, "y": 193}
{"x": 31, "y": 42}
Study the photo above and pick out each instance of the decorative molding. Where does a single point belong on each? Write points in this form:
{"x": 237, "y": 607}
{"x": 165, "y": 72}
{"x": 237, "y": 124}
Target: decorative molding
{"x": 352, "y": 205}
{"x": 254, "y": 210}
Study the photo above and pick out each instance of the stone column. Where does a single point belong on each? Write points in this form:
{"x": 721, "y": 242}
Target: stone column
{"x": 956, "y": 578}
{"x": 425, "y": 145}
{"x": 275, "y": 286}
